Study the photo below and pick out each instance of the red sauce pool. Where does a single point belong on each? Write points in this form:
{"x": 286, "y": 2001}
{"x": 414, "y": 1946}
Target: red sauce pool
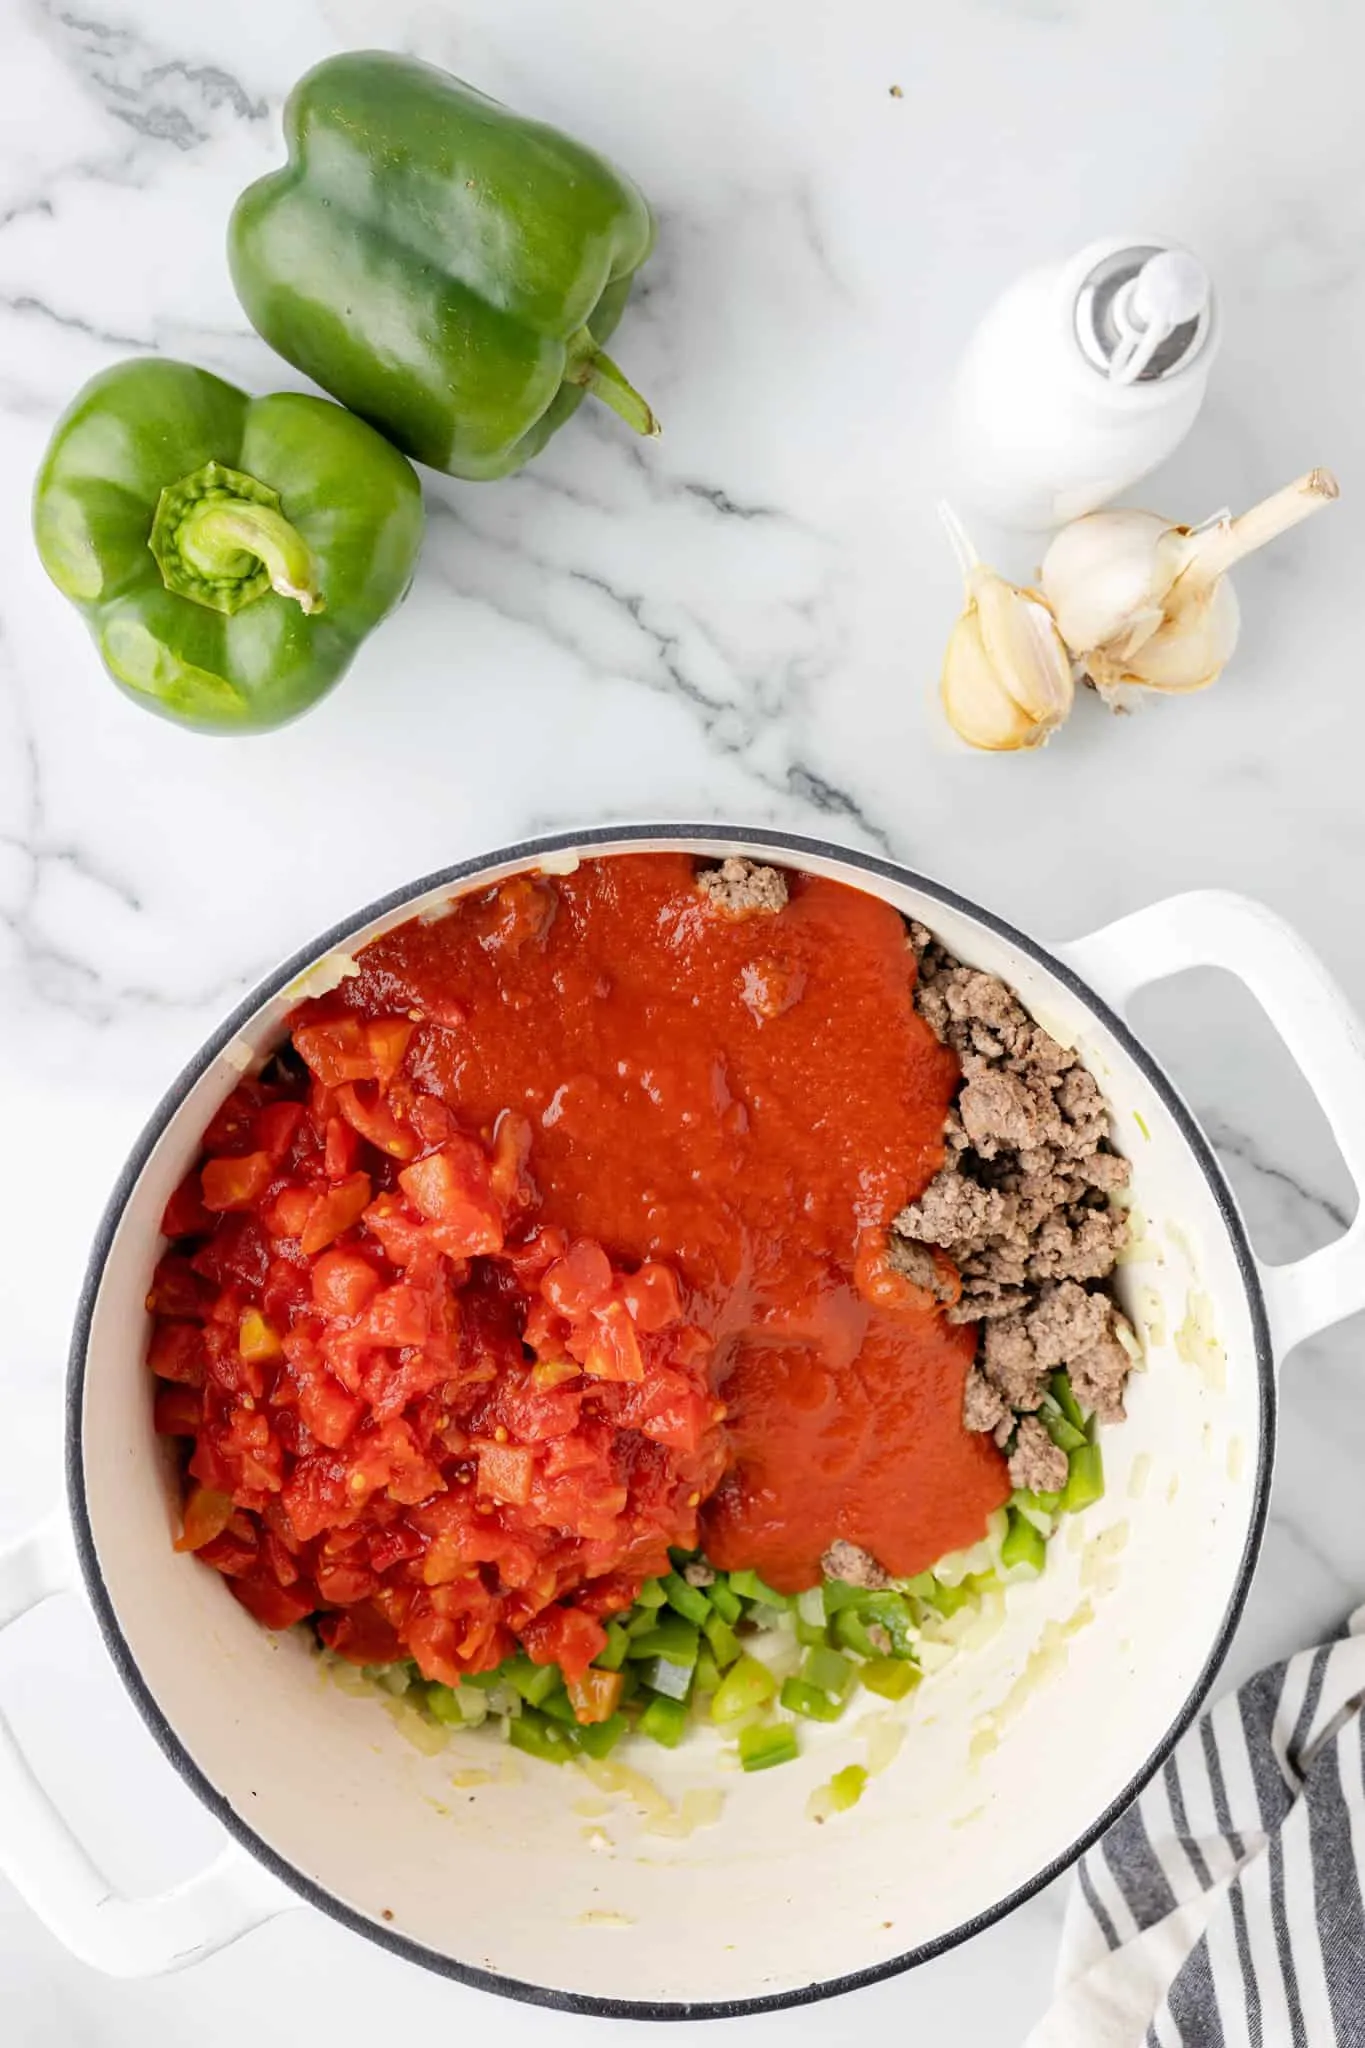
{"x": 748, "y": 1101}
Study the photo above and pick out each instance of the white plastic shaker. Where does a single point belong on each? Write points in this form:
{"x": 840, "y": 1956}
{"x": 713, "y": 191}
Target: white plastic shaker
{"x": 1083, "y": 376}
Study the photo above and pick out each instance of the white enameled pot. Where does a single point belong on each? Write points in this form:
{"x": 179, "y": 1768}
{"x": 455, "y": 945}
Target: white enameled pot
{"x": 1012, "y": 1758}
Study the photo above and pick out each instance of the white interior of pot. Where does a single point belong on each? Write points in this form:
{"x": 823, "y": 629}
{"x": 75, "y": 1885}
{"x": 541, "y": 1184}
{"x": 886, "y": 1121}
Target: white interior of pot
{"x": 1009, "y": 1754}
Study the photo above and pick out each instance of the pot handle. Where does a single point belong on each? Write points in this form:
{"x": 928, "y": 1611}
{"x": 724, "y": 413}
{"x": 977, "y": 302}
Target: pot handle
{"x": 1214, "y": 928}
{"x": 48, "y": 1867}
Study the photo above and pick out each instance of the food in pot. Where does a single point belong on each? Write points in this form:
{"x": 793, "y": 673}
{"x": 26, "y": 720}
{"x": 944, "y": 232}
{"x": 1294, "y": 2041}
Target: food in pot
{"x": 578, "y": 1319}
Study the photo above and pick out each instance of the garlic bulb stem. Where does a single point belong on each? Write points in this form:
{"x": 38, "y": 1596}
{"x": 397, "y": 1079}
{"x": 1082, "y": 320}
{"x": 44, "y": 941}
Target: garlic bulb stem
{"x": 1214, "y": 549}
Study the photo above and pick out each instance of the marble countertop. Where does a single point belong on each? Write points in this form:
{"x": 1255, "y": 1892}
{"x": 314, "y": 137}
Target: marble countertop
{"x": 743, "y": 620}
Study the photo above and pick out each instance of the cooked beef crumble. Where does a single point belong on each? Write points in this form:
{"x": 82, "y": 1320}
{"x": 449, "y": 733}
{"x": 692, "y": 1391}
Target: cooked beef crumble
{"x": 1022, "y": 1208}
{"x": 739, "y": 888}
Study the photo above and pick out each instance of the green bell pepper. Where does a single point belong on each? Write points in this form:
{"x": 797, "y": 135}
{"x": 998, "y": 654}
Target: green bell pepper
{"x": 445, "y": 268}
{"x": 229, "y": 553}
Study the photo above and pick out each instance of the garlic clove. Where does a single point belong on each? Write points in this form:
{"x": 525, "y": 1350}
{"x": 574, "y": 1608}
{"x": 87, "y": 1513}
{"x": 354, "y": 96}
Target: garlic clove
{"x": 1007, "y": 681}
{"x": 1105, "y": 577}
{"x": 979, "y": 708}
{"x": 1192, "y": 647}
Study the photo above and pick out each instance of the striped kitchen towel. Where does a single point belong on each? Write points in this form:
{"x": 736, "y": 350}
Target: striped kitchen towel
{"x": 1224, "y": 1909}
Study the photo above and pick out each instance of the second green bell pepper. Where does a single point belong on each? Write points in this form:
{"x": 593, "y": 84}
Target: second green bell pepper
{"x": 229, "y": 553}
{"x": 445, "y": 268}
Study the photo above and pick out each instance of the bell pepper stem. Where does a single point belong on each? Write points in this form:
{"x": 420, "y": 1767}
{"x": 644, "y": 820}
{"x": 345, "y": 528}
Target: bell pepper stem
{"x": 217, "y": 533}
{"x": 591, "y": 367}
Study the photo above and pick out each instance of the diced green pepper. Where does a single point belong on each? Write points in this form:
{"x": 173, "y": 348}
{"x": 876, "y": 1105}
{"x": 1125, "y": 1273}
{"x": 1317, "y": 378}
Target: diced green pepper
{"x": 535, "y": 1736}
{"x": 846, "y": 1787}
{"x": 810, "y": 1634}
{"x": 948, "y": 1599}
{"x": 827, "y": 1670}
{"x": 1023, "y": 1545}
{"x": 837, "y": 1594}
{"x": 761, "y": 1747}
{"x": 662, "y": 1675}
{"x": 486, "y": 1680}
{"x": 599, "y": 1738}
{"x": 1085, "y": 1479}
{"x": 723, "y": 1640}
{"x": 890, "y": 1611}
{"x": 618, "y": 1642}
{"x": 1041, "y": 1503}
{"x": 535, "y": 1682}
{"x": 891, "y": 1678}
{"x": 799, "y": 1697}
{"x": 749, "y": 1586}
{"x": 707, "y": 1675}
{"x": 745, "y": 1685}
{"x": 651, "y": 1594}
{"x": 664, "y": 1721}
{"x": 671, "y": 1638}
{"x": 850, "y": 1632}
{"x": 1067, "y": 1435}
{"x": 1064, "y": 1396}
{"x": 688, "y": 1601}
{"x": 559, "y": 1707}
{"x": 725, "y": 1600}
{"x": 442, "y": 1705}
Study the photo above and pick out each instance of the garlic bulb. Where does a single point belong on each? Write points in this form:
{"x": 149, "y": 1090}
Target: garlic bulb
{"x": 1007, "y": 679}
{"x": 1143, "y": 604}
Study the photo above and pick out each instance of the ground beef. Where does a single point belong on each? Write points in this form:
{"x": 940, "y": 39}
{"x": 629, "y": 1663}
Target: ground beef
{"x": 1036, "y": 1464}
{"x": 983, "y": 1405}
{"x": 923, "y": 1267}
{"x": 1021, "y": 1205}
{"x": 854, "y": 1566}
{"x": 1099, "y": 1375}
{"x": 740, "y": 888}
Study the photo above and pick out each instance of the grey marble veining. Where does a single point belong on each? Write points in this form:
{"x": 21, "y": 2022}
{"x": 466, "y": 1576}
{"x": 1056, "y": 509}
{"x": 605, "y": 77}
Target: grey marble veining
{"x": 742, "y": 620}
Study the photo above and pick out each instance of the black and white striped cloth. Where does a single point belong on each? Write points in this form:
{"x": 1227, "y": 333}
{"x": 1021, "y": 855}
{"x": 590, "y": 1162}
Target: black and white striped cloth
{"x": 1224, "y": 1909}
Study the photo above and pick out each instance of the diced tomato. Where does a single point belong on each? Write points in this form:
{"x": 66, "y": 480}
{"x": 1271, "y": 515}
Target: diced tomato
{"x": 258, "y": 1340}
{"x": 613, "y": 1349}
{"x": 452, "y": 1187}
{"x": 596, "y": 1695}
{"x": 329, "y": 1411}
{"x": 277, "y": 1126}
{"x": 336, "y": 1052}
{"x": 511, "y": 1151}
{"x": 270, "y": 1604}
{"x": 579, "y": 1282}
{"x": 177, "y": 1290}
{"x": 287, "y": 1214}
{"x": 231, "y": 1128}
{"x": 387, "y": 1040}
{"x": 342, "y": 1584}
{"x": 431, "y": 1120}
{"x": 505, "y": 1471}
{"x": 334, "y": 1212}
{"x": 284, "y": 1289}
{"x": 343, "y": 1283}
{"x": 185, "y": 1214}
{"x": 236, "y": 1183}
{"x": 206, "y": 1515}
{"x": 402, "y": 1238}
{"x": 651, "y": 1297}
{"x": 565, "y": 1636}
{"x": 177, "y": 1411}
{"x": 397, "y": 1545}
{"x": 372, "y": 1117}
{"x": 880, "y": 1283}
{"x": 361, "y": 1635}
{"x": 177, "y": 1353}
{"x": 342, "y": 1149}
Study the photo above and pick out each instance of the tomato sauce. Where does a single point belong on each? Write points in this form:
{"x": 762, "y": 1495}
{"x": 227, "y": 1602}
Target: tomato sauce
{"x": 749, "y": 1099}
{"x": 556, "y": 1240}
